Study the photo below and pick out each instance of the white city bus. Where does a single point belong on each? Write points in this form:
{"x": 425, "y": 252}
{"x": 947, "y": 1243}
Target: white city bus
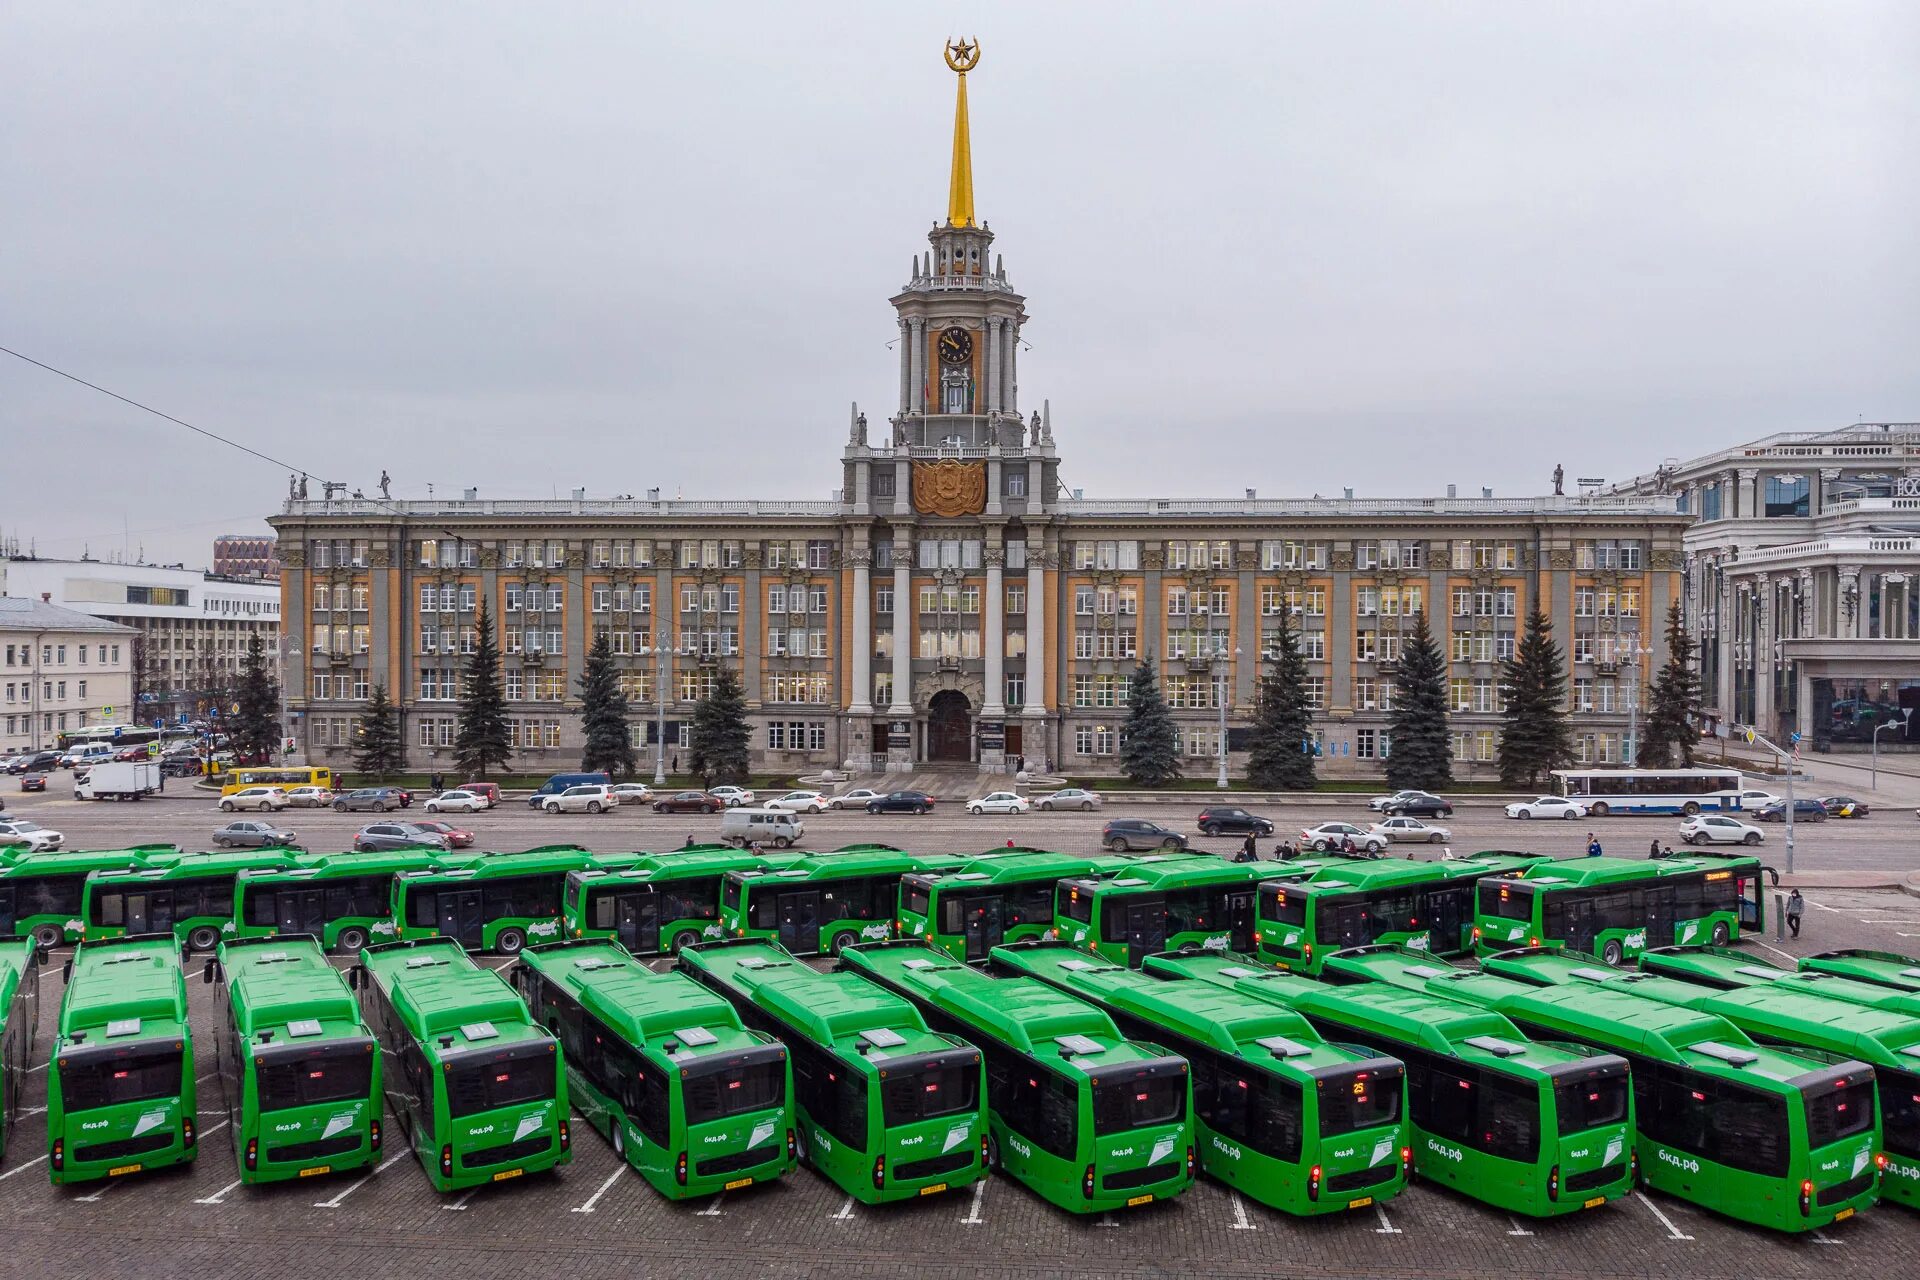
{"x": 1683, "y": 791}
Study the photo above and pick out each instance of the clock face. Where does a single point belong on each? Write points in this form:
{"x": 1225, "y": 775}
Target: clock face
{"x": 956, "y": 346}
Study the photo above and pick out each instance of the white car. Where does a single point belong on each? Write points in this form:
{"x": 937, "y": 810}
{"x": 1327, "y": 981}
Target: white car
{"x": 855, "y": 799}
{"x": 311, "y": 797}
{"x": 1068, "y": 798}
{"x": 1405, "y": 830}
{"x": 1753, "y": 800}
{"x": 263, "y": 799}
{"x": 732, "y": 797}
{"x": 36, "y": 837}
{"x": 593, "y": 798}
{"x": 1334, "y": 835}
{"x": 999, "y": 802}
{"x": 1714, "y": 828}
{"x": 632, "y": 793}
{"x": 457, "y": 802}
{"x": 798, "y": 802}
{"x": 1547, "y": 807}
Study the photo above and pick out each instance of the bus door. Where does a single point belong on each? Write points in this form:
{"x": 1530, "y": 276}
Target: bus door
{"x": 798, "y": 912}
{"x": 1448, "y": 911}
{"x": 463, "y": 916}
{"x": 1143, "y": 923}
{"x": 986, "y": 923}
{"x": 302, "y": 910}
{"x": 150, "y": 911}
{"x": 1659, "y": 916}
{"x": 1238, "y": 917}
{"x": 1345, "y": 924}
{"x": 636, "y": 921}
{"x": 1570, "y": 918}
{"x": 1747, "y": 891}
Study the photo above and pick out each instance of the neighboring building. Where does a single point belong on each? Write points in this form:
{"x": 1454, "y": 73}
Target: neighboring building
{"x": 239, "y": 555}
{"x": 59, "y": 669}
{"x": 949, "y": 602}
{"x": 1803, "y": 582}
{"x": 192, "y": 626}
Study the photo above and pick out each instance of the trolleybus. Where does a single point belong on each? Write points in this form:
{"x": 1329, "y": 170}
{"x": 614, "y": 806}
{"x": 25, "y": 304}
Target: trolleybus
{"x": 823, "y": 902}
{"x": 490, "y": 902}
{"x": 343, "y": 901}
{"x": 1007, "y": 897}
{"x": 663, "y": 901}
{"x": 1681, "y": 791}
{"x": 1615, "y": 908}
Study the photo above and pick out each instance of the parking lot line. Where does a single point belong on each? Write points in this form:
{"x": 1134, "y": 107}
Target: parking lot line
{"x": 363, "y": 1181}
{"x": 219, "y": 1195}
{"x": 1518, "y": 1230}
{"x": 19, "y": 1168}
{"x": 604, "y": 1188}
{"x": 105, "y": 1187}
{"x": 1106, "y": 1220}
{"x": 460, "y": 1205}
{"x": 846, "y": 1211}
{"x": 1673, "y": 1232}
{"x": 1240, "y": 1222}
{"x": 973, "y": 1218}
{"x": 1386, "y": 1227}
{"x": 712, "y": 1210}
{"x": 1821, "y": 1237}
{"x": 1777, "y": 951}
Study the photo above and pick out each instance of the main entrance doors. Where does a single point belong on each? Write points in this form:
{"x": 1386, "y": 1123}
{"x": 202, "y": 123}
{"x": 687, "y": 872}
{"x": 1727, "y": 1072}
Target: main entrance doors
{"x": 949, "y": 726}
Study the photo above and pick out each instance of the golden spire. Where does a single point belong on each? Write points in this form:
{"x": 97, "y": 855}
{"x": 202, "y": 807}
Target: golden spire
{"x": 962, "y": 57}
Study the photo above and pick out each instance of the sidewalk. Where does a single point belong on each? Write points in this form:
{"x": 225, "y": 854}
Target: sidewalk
{"x": 1907, "y": 882}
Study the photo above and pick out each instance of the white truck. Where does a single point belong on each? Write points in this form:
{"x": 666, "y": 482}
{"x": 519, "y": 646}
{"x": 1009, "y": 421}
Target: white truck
{"x": 120, "y": 780}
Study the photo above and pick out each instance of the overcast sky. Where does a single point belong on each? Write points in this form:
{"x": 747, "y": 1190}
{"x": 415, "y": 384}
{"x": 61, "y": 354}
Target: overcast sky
{"x": 1293, "y": 246}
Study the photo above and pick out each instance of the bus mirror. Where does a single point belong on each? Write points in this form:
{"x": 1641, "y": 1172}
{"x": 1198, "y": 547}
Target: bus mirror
{"x": 353, "y": 977}
{"x": 206, "y": 972}
{"x": 41, "y": 955}
{"x": 66, "y": 971}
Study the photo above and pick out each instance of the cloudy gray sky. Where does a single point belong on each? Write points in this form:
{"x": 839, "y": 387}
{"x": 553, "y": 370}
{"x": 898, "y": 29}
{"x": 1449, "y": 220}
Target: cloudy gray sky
{"x": 1296, "y": 246}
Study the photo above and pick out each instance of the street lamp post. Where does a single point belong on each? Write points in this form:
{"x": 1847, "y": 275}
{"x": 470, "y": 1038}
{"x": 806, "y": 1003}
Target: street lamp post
{"x": 1635, "y": 652}
{"x": 1877, "y": 731}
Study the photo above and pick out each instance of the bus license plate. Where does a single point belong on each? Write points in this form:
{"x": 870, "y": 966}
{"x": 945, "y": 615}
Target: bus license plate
{"x": 120, "y": 1169}
{"x": 1134, "y": 1200}
{"x": 933, "y": 1190}
{"x": 316, "y": 1171}
{"x": 1594, "y": 1203}
{"x": 1844, "y": 1213}
{"x": 738, "y": 1183}
{"x": 1361, "y": 1203}
{"x": 504, "y": 1174}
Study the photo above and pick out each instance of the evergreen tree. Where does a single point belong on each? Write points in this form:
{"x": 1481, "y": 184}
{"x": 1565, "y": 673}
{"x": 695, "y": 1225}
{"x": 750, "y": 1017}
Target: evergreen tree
{"x": 603, "y": 714}
{"x": 255, "y": 727}
{"x": 719, "y": 732}
{"x": 1536, "y": 737}
{"x": 1420, "y": 750}
{"x": 1150, "y": 750}
{"x": 377, "y": 749}
{"x": 1673, "y": 708}
{"x": 1283, "y": 722}
{"x": 482, "y": 741}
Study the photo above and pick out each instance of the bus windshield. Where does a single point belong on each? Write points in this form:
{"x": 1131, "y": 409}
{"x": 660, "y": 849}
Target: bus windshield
{"x": 1506, "y": 900}
{"x": 137, "y": 1073}
{"x": 1839, "y": 1113}
{"x": 1277, "y": 905}
{"x": 915, "y": 897}
{"x": 1900, "y": 1110}
{"x": 732, "y": 1086}
{"x": 1365, "y": 1098}
{"x": 487, "y": 1081}
{"x": 1589, "y": 1103}
{"x": 934, "y": 1087}
{"x": 1134, "y": 1097}
{"x": 301, "y": 1077}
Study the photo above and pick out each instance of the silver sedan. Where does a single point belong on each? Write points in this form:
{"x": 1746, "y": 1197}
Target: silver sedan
{"x": 1410, "y": 831}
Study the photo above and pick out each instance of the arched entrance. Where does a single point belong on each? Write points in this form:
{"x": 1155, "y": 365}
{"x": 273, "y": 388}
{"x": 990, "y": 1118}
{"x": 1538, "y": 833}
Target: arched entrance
{"x": 949, "y": 726}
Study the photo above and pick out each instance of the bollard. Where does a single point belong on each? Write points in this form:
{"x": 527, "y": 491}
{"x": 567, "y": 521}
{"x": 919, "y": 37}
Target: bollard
{"x": 1780, "y": 917}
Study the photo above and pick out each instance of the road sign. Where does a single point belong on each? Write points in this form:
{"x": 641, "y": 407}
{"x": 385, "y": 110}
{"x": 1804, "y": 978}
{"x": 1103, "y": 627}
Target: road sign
{"x": 106, "y": 711}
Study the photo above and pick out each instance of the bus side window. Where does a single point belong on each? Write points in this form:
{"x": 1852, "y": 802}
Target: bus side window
{"x": 262, "y": 908}
{"x": 1031, "y": 904}
{"x": 419, "y": 1078}
{"x": 423, "y": 909}
{"x": 1059, "y": 1127}
{"x": 369, "y": 895}
{"x": 648, "y": 1102}
{"x": 600, "y": 911}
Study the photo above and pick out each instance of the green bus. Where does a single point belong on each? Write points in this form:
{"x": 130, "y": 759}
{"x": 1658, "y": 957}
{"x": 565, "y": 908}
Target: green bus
{"x": 1006, "y": 897}
{"x": 299, "y": 1074}
{"x": 342, "y": 901}
{"x": 1887, "y": 968}
{"x": 493, "y": 901}
{"x": 823, "y": 902}
{"x": 20, "y": 961}
{"x": 1088, "y": 1120}
{"x": 1796, "y": 1015}
{"x": 1729, "y": 969}
{"x": 663, "y": 1069}
{"x": 1615, "y": 908}
{"x": 120, "y": 1096}
{"x": 1761, "y": 1135}
{"x": 40, "y": 895}
{"x": 1282, "y": 1116}
{"x": 476, "y": 1083}
{"x": 189, "y": 895}
{"x": 1162, "y": 902}
{"x": 662, "y": 902}
{"x": 1298, "y": 923}
{"x": 885, "y": 1108}
{"x": 1536, "y": 1128}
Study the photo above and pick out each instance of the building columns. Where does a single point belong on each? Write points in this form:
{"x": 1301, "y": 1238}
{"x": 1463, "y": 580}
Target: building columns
{"x": 1036, "y": 706}
{"x": 917, "y": 366}
{"x": 990, "y": 336}
{"x": 995, "y": 639}
{"x": 861, "y": 704}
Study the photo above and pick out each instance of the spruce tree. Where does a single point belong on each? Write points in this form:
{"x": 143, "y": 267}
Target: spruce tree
{"x": 377, "y": 749}
{"x": 482, "y": 741}
{"x": 1536, "y": 737}
{"x": 719, "y": 733}
{"x": 603, "y": 714}
{"x": 1673, "y": 707}
{"x": 255, "y": 726}
{"x": 1420, "y": 750}
{"x": 1280, "y": 759}
{"x": 1150, "y": 752}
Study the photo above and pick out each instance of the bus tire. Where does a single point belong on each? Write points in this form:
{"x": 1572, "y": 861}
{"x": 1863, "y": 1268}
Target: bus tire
{"x": 681, "y": 941}
{"x": 1117, "y": 845}
{"x": 1720, "y": 933}
{"x": 619, "y": 1140}
{"x": 841, "y": 941}
{"x": 351, "y": 939}
{"x": 1690, "y": 809}
{"x": 510, "y": 942}
{"x": 49, "y": 936}
{"x": 1599, "y": 809}
{"x": 203, "y": 938}
{"x": 1611, "y": 953}
{"x": 1752, "y": 837}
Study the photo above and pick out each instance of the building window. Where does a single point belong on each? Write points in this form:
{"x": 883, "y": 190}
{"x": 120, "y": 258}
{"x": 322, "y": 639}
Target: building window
{"x": 882, "y": 478}
{"x": 1786, "y": 496}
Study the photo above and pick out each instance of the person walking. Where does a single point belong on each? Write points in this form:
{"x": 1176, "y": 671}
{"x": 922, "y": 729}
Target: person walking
{"x": 1250, "y": 849}
{"x": 439, "y": 784}
{"x": 1795, "y": 905}
{"x": 1593, "y": 845}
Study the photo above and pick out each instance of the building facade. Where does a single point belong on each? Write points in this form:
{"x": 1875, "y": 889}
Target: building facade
{"x": 241, "y": 555}
{"x": 949, "y": 603}
{"x": 59, "y": 670}
{"x": 1802, "y": 582}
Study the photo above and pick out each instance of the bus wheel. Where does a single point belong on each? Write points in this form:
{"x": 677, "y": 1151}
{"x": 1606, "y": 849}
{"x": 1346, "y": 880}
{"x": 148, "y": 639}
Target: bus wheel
{"x": 841, "y": 941}
{"x": 1690, "y": 808}
{"x": 204, "y": 938}
{"x": 1599, "y": 809}
{"x": 351, "y": 940}
{"x": 681, "y": 941}
{"x": 1611, "y": 954}
{"x": 619, "y": 1141}
{"x": 510, "y": 942}
{"x": 1720, "y": 933}
{"x": 49, "y": 935}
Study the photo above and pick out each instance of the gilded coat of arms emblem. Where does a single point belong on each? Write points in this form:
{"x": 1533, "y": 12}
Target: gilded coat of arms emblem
{"x": 950, "y": 487}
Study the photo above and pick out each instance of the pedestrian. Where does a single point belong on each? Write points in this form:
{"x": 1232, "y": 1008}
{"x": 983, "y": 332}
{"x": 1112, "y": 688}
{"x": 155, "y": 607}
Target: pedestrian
{"x": 439, "y": 783}
{"x": 1283, "y": 851}
{"x": 676, "y": 762}
{"x": 1593, "y": 845}
{"x": 1251, "y": 849}
{"x": 1653, "y": 850}
{"x": 1009, "y": 842}
{"x": 1795, "y": 905}
{"x": 688, "y": 843}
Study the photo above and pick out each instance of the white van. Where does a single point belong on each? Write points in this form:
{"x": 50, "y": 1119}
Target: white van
{"x": 91, "y": 753}
{"x": 742, "y": 827}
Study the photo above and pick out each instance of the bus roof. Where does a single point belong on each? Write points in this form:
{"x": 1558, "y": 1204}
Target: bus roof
{"x": 1346, "y": 875}
{"x": 1888, "y": 968}
{"x": 16, "y": 957}
{"x": 450, "y": 1003}
{"x": 128, "y": 986}
{"x": 283, "y": 990}
{"x": 650, "y": 1010}
{"x": 1727, "y": 967}
{"x": 70, "y": 862}
{"x": 1173, "y": 871}
{"x": 1018, "y": 866}
{"x": 682, "y": 865}
{"x": 493, "y": 866}
{"x": 333, "y": 866}
{"x": 190, "y": 866}
{"x": 1583, "y": 873}
{"x": 852, "y": 862}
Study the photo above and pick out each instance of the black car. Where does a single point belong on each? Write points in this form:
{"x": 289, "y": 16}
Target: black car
{"x": 1844, "y": 807}
{"x": 378, "y": 799}
{"x": 901, "y": 802}
{"x": 254, "y": 835}
{"x": 37, "y": 762}
{"x": 1124, "y": 834}
{"x": 1418, "y": 804}
{"x": 1231, "y": 820}
{"x": 1803, "y": 811}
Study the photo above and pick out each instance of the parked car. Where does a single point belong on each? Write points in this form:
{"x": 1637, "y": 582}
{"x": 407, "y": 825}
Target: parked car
{"x": 34, "y": 762}
{"x": 1845, "y": 807}
{"x": 1379, "y": 803}
{"x": 33, "y": 782}
{"x": 741, "y": 826}
{"x": 732, "y": 795}
{"x": 1423, "y": 804}
{"x": 1546, "y": 807}
{"x": 310, "y": 797}
{"x": 462, "y": 801}
{"x": 1231, "y": 820}
{"x": 1069, "y": 798}
{"x": 1410, "y": 831}
{"x": 1123, "y": 834}
{"x": 998, "y": 802}
{"x": 901, "y": 802}
{"x": 854, "y": 799}
{"x": 559, "y": 782}
{"x": 632, "y": 793}
{"x": 37, "y": 838}
{"x": 589, "y": 798}
{"x": 490, "y": 790}
{"x": 798, "y": 802}
{"x": 127, "y": 755}
{"x": 377, "y": 799}
{"x": 1754, "y": 799}
{"x": 1714, "y": 828}
{"x": 1803, "y": 811}
{"x": 262, "y": 799}
{"x": 1337, "y": 835}
{"x": 689, "y": 802}
{"x": 458, "y": 837}
{"x": 253, "y": 835}
{"x": 382, "y": 837}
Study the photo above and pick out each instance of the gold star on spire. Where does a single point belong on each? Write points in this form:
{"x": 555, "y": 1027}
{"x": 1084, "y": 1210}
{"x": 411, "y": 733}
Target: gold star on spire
{"x": 962, "y": 57}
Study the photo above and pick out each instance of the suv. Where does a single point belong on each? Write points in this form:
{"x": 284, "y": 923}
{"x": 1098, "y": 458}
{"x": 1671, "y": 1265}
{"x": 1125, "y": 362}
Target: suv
{"x": 1123, "y": 834}
{"x": 384, "y": 836}
{"x": 588, "y": 798}
{"x": 1231, "y": 820}
{"x": 34, "y": 762}
{"x": 36, "y": 837}
{"x": 378, "y": 799}
{"x": 265, "y": 799}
